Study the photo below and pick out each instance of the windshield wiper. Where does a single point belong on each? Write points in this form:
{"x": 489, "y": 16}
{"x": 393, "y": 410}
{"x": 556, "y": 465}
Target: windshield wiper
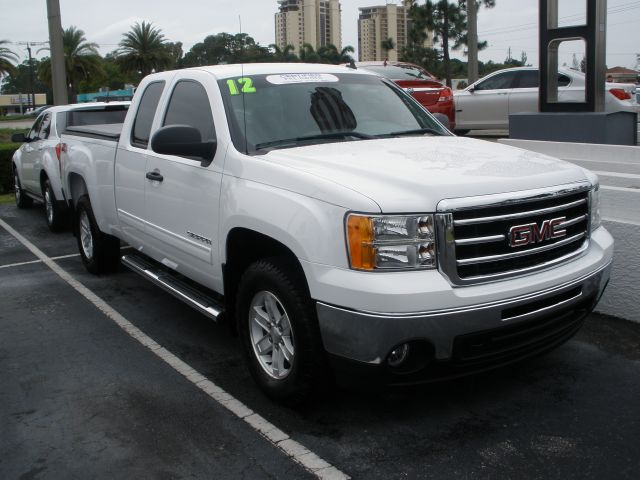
{"x": 416, "y": 131}
{"x": 292, "y": 142}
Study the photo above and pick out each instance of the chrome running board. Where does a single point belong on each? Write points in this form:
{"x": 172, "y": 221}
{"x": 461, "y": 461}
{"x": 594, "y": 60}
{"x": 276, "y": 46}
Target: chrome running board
{"x": 195, "y": 297}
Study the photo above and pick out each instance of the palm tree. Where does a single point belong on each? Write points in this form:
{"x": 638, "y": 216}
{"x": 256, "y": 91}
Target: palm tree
{"x": 345, "y": 54}
{"x": 308, "y": 54}
{"x": 81, "y": 59}
{"x": 330, "y": 54}
{"x": 143, "y": 49}
{"x": 387, "y": 45}
{"x": 7, "y": 57}
{"x": 285, "y": 54}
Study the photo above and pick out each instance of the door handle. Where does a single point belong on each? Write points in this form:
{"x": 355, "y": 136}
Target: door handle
{"x": 155, "y": 176}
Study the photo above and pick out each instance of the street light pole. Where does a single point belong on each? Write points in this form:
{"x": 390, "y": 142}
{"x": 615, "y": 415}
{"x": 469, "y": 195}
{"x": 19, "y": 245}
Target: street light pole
{"x": 58, "y": 74}
{"x": 31, "y": 88}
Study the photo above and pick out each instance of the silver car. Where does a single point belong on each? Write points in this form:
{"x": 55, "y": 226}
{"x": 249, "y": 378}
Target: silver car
{"x": 36, "y": 164}
{"x": 487, "y": 103}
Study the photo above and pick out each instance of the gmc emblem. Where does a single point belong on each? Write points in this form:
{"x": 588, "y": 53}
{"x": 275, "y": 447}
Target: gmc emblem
{"x": 521, "y": 235}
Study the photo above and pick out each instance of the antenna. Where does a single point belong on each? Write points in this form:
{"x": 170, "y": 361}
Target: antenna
{"x": 244, "y": 110}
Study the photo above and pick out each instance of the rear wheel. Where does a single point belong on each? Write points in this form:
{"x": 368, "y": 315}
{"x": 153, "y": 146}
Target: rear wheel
{"x": 279, "y": 331}
{"x": 56, "y": 218}
{"x": 22, "y": 200}
{"x": 100, "y": 252}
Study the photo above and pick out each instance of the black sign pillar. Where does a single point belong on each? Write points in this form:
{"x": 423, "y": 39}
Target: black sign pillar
{"x": 551, "y": 36}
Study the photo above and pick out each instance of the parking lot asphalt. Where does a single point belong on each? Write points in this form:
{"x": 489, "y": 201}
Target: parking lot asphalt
{"x": 81, "y": 399}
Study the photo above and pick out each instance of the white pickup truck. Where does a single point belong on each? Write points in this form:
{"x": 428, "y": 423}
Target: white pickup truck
{"x": 337, "y": 224}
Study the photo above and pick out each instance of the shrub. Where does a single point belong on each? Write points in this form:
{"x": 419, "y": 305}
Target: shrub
{"x": 6, "y": 153}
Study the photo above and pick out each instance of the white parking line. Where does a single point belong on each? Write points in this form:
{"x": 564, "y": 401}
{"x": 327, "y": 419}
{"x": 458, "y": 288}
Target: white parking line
{"x": 19, "y": 264}
{"x": 631, "y": 176}
{"x": 620, "y": 189}
{"x": 621, "y": 220}
{"x": 612, "y": 162}
{"x": 294, "y": 450}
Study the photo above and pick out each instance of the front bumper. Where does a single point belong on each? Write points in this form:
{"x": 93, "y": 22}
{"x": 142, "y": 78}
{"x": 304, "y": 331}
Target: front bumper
{"x": 478, "y": 336}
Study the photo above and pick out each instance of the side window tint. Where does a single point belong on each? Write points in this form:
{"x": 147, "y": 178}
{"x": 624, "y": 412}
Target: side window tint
{"x": 189, "y": 105}
{"x": 35, "y": 129}
{"x": 563, "y": 80}
{"x": 45, "y": 127}
{"x": 497, "y": 82}
{"x": 528, "y": 79}
{"x": 144, "y": 116}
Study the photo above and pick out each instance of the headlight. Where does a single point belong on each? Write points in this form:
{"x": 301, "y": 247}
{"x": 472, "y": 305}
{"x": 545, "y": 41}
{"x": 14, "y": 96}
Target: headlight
{"x": 391, "y": 242}
{"x": 596, "y": 218}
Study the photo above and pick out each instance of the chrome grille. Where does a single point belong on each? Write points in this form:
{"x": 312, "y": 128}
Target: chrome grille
{"x": 473, "y": 233}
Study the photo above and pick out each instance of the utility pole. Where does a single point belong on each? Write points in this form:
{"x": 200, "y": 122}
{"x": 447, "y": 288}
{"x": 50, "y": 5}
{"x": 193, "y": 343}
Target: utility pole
{"x": 472, "y": 41}
{"x": 58, "y": 73}
{"x": 32, "y": 97}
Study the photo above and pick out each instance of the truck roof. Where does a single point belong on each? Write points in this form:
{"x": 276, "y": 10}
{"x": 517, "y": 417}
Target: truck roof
{"x": 236, "y": 70}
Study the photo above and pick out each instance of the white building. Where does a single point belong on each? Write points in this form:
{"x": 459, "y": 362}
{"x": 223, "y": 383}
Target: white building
{"x": 379, "y": 23}
{"x": 316, "y": 22}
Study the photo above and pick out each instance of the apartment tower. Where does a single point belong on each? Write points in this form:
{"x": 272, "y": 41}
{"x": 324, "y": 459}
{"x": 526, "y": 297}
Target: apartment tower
{"x": 380, "y": 23}
{"x": 316, "y": 22}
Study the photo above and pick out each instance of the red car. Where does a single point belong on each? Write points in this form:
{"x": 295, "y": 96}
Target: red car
{"x": 433, "y": 95}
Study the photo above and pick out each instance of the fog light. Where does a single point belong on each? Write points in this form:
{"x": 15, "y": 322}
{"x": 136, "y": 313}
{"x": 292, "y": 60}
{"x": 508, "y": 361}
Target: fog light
{"x": 398, "y": 355}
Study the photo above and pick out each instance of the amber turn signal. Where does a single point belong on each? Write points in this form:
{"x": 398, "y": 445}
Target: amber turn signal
{"x": 360, "y": 235}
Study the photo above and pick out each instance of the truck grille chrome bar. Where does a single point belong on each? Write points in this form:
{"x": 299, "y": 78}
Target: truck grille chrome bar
{"x": 475, "y": 243}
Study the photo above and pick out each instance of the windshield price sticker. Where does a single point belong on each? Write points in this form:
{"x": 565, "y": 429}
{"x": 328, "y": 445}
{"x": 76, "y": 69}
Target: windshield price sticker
{"x": 287, "y": 78}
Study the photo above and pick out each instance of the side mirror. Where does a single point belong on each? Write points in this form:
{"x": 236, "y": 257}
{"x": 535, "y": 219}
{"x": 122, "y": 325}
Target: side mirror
{"x": 443, "y": 119}
{"x": 18, "y": 138}
{"x": 471, "y": 89}
{"x": 183, "y": 141}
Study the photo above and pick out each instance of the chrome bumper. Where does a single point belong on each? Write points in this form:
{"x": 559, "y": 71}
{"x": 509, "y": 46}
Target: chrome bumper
{"x": 368, "y": 337}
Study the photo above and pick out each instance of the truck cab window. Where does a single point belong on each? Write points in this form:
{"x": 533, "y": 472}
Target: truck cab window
{"x": 189, "y": 105}
{"x": 144, "y": 116}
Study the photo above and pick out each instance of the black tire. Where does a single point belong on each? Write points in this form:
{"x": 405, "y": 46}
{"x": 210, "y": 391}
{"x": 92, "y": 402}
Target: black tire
{"x": 22, "y": 199}
{"x": 308, "y": 369}
{"x": 55, "y": 216}
{"x": 100, "y": 252}
{"x": 461, "y": 133}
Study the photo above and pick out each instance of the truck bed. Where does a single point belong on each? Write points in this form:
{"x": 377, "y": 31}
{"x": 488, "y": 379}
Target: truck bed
{"x": 108, "y": 131}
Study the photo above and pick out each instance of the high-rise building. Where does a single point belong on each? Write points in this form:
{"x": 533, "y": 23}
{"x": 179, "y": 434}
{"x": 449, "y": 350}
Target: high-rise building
{"x": 316, "y": 22}
{"x": 379, "y": 24}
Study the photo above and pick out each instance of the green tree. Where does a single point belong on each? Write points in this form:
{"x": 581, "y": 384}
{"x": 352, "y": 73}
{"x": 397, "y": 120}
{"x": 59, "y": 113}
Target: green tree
{"x": 225, "y": 48}
{"x": 449, "y": 25}
{"x": 309, "y": 55}
{"x": 387, "y": 45}
{"x": 330, "y": 54}
{"x": 143, "y": 49}
{"x": 415, "y": 50}
{"x": 81, "y": 58}
{"x": 18, "y": 81}
{"x": 285, "y": 54}
{"x": 7, "y": 59}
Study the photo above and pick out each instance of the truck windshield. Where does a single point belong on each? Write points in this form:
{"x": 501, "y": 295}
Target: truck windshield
{"x": 267, "y": 112}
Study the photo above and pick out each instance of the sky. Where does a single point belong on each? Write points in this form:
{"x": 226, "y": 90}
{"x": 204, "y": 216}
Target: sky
{"x": 511, "y": 24}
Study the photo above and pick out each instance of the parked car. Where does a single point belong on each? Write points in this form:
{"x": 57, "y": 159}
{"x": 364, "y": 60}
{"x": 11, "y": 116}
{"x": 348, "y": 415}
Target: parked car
{"x": 425, "y": 88}
{"x": 487, "y": 103}
{"x": 334, "y": 231}
{"x": 36, "y": 164}
{"x": 37, "y": 111}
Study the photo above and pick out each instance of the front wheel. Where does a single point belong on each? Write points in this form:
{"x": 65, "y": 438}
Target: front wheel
{"x": 100, "y": 252}
{"x": 279, "y": 331}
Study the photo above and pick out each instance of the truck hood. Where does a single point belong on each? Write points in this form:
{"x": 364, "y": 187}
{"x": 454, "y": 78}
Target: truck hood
{"x": 412, "y": 174}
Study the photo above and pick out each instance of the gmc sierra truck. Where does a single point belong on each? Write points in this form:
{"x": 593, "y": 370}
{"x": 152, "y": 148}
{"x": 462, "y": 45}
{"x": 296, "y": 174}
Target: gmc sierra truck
{"x": 337, "y": 224}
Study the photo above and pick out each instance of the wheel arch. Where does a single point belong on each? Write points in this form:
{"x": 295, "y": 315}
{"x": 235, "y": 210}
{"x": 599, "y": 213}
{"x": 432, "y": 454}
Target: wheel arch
{"x": 241, "y": 251}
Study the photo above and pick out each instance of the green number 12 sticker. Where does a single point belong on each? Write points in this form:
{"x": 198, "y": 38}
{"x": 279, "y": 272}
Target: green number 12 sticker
{"x": 246, "y": 86}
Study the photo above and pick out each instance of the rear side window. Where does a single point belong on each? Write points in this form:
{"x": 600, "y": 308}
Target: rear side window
{"x": 497, "y": 82}
{"x": 144, "y": 116}
{"x": 33, "y": 133}
{"x": 45, "y": 127}
{"x": 189, "y": 105}
{"x": 530, "y": 79}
